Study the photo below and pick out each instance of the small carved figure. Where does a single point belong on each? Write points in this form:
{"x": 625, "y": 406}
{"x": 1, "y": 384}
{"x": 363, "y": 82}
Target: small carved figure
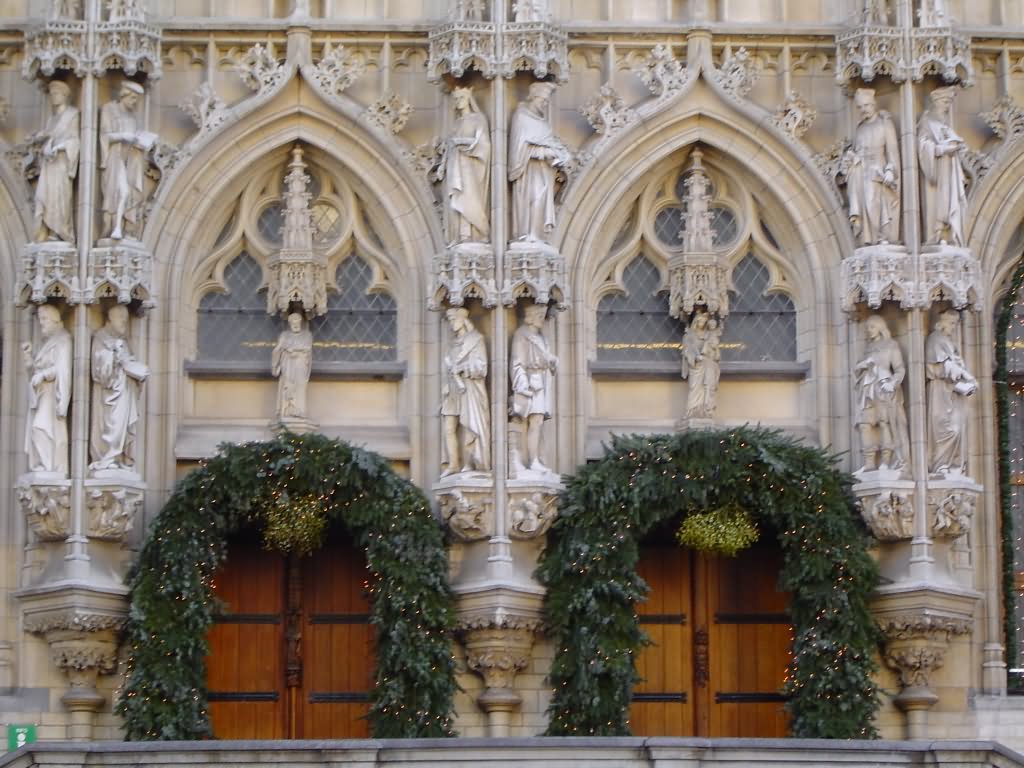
{"x": 529, "y": 10}
{"x": 116, "y": 378}
{"x": 465, "y": 403}
{"x": 882, "y": 420}
{"x": 466, "y": 172}
{"x": 933, "y": 13}
{"x": 876, "y": 13}
{"x": 534, "y": 156}
{"x": 949, "y": 386}
{"x": 124, "y": 150}
{"x": 944, "y": 184}
{"x": 873, "y": 178}
{"x": 701, "y": 366}
{"x": 530, "y": 369}
{"x": 57, "y": 149}
{"x": 291, "y": 362}
{"x": 49, "y": 395}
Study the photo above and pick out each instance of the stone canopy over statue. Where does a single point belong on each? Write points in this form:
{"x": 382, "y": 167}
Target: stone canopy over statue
{"x": 116, "y": 378}
{"x": 56, "y": 150}
{"x": 873, "y": 177}
{"x": 881, "y": 417}
{"x": 49, "y": 395}
{"x": 124, "y": 159}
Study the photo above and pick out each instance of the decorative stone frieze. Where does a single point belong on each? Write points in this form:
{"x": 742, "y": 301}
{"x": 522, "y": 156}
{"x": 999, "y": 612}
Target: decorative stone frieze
{"x": 260, "y": 68}
{"x": 532, "y": 505}
{"x": 535, "y": 46}
{"x": 459, "y": 45}
{"x": 128, "y": 43}
{"x": 664, "y": 74}
{"x": 607, "y": 112}
{"x": 878, "y": 273}
{"x": 466, "y": 503}
{"x": 49, "y": 270}
{"x": 463, "y": 271}
{"x": 536, "y": 270}
{"x": 111, "y": 509}
{"x": 389, "y": 113}
{"x": 795, "y": 116}
{"x": 338, "y": 69}
{"x": 121, "y": 270}
{"x": 73, "y": 619}
{"x": 870, "y": 50}
{"x": 46, "y": 504}
{"x": 940, "y": 51}
{"x": 952, "y": 503}
{"x": 56, "y": 44}
{"x": 738, "y": 74}
{"x": 887, "y": 506}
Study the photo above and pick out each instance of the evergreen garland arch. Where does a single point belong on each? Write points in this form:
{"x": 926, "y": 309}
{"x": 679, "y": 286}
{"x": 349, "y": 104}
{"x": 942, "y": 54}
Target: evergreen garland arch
{"x": 590, "y": 570}
{"x": 252, "y": 485}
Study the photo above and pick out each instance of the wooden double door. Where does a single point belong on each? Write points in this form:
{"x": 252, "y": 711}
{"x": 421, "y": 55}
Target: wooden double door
{"x": 721, "y": 640}
{"x": 291, "y": 652}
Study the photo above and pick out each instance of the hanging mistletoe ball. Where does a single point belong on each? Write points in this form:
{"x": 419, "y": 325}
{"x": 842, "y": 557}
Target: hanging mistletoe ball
{"x": 725, "y": 531}
{"x": 294, "y": 524}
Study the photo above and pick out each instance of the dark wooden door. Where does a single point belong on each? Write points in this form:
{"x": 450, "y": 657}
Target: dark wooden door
{"x": 291, "y": 653}
{"x": 720, "y": 645}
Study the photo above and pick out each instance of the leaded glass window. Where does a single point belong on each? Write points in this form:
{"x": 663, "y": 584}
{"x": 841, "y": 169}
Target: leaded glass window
{"x": 760, "y": 327}
{"x": 1015, "y": 456}
{"x": 634, "y": 325}
{"x": 359, "y": 327}
{"x": 233, "y": 326}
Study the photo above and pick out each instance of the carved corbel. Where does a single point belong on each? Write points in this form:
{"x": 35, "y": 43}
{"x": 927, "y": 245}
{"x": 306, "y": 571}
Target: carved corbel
{"x": 887, "y": 507}
{"x": 47, "y": 508}
{"x": 951, "y": 506}
{"x": 915, "y": 647}
{"x": 532, "y": 506}
{"x": 466, "y": 506}
{"x": 463, "y": 271}
{"x": 112, "y": 511}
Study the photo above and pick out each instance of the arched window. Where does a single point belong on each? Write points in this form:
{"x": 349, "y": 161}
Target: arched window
{"x": 761, "y": 327}
{"x": 361, "y": 325}
{"x": 1014, "y": 449}
{"x": 234, "y": 325}
{"x": 634, "y": 325}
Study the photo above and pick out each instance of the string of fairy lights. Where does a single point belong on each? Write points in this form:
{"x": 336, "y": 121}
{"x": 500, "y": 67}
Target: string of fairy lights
{"x": 1012, "y": 450}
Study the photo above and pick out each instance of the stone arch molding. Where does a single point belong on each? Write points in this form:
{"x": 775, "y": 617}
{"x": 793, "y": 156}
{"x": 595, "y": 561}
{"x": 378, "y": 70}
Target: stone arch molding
{"x": 996, "y": 209}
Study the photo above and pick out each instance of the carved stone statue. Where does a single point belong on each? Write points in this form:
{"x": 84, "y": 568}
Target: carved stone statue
{"x": 466, "y": 172}
{"x": 116, "y": 378}
{"x": 949, "y": 386}
{"x": 876, "y": 13}
{"x": 873, "y": 180}
{"x": 49, "y": 395}
{"x": 124, "y": 148}
{"x": 57, "y": 149}
{"x": 701, "y": 366}
{"x": 529, "y": 10}
{"x": 534, "y": 156}
{"x": 531, "y": 365}
{"x": 943, "y": 183}
{"x": 292, "y": 362}
{"x": 933, "y": 13}
{"x": 465, "y": 404}
{"x": 65, "y": 9}
{"x": 882, "y": 420}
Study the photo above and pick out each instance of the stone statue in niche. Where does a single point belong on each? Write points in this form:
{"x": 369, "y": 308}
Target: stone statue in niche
{"x": 65, "y": 9}
{"x": 881, "y": 419}
{"x": 529, "y": 10}
{"x": 531, "y": 366}
{"x": 949, "y": 386}
{"x": 49, "y": 395}
{"x": 873, "y": 180}
{"x": 876, "y": 13}
{"x": 465, "y": 405}
{"x": 116, "y": 378}
{"x": 701, "y": 364}
{"x": 535, "y": 155}
{"x": 943, "y": 182}
{"x": 124, "y": 150}
{"x": 933, "y": 13}
{"x": 291, "y": 362}
{"x": 56, "y": 148}
{"x": 119, "y": 10}
{"x": 466, "y": 172}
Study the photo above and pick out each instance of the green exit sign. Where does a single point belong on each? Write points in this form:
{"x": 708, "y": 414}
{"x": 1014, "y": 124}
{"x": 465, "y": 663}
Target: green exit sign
{"x": 19, "y": 736}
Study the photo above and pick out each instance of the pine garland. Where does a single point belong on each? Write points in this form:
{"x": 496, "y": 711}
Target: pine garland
{"x": 172, "y": 603}
{"x": 590, "y": 570}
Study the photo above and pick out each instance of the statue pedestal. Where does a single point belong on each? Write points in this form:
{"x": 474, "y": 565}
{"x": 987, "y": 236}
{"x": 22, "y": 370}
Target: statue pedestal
{"x": 297, "y": 424}
{"x": 45, "y": 500}
{"x": 952, "y": 502}
{"x": 688, "y": 423}
{"x": 877, "y": 273}
{"x": 466, "y": 503}
{"x": 887, "y": 504}
{"x": 49, "y": 270}
{"x": 461, "y": 272}
{"x": 112, "y": 501}
{"x": 532, "y": 503}
{"x": 120, "y": 269}
{"x": 534, "y": 268}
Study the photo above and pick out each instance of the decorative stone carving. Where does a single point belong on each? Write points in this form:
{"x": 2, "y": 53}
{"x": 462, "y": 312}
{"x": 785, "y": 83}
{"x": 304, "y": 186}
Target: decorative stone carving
{"x": 126, "y": 42}
{"x": 869, "y": 50}
{"x": 462, "y": 272}
{"x": 697, "y": 280}
{"x": 48, "y": 271}
{"x": 915, "y": 646}
{"x": 701, "y": 364}
{"x": 49, "y": 395}
{"x": 466, "y": 505}
{"x": 534, "y": 270}
{"x": 111, "y": 510}
{"x": 662, "y": 73}
{"x": 531, "y": 368}
{"x": 298, "y": 272}
{"x": 207, "y": 110}
{"x": 952, "y": 503}
{"x": 535, "y": 156}
{"x": 55, "y": 158}
{"x": 940, "y": 51}
{"x": 460, "y": 44}
{"x": 338, "y": 69}
{"x": 881, "y": 416}
{"x": 532, "y": 508}
{"x": 465, "y": 169}
{"x": 116, "y": 378}
{"x": 949, "y": 386}
{"x": 873, "y": 175}
{"x": 887, "y": 507}
{"x": 121, "y": 270}
{"x": 292, "y": 362}
{"x": 943, "y": 182}
{"x": 260, "y": 69}
{"x": 932, "y": 13}
{"x": 1006, "y": 119}
{"x": 389, "y": 113}
{"x": 878, "y": 273}
{"x": 607, "y": 112}
{"x": 795, "y": 116}
{"x": 834, "y": 163}
{"x": 949, "y": 274}
{"x": 536, "y": 46}
{"x": 465, "y": 405}
{"x": 73, "y": 619}
{"x": 58, "y": 43}
{"x": 124, "y": 150}
{"x": 739, "y": 73}
{"x": 425, "y": 159}
{"x": 47, "y": 506}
